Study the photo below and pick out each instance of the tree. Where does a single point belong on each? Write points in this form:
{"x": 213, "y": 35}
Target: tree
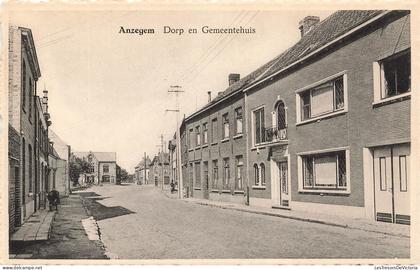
{"x": 78, "y": 166}
{"x": 124, "y": 175}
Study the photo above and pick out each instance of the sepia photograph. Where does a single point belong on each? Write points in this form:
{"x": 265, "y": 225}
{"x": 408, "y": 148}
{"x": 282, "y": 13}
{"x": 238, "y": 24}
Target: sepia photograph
{"x": 207, "y": 134}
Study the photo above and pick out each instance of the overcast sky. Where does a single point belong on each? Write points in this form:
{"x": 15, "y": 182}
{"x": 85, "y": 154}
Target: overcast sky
{"x": 108, "y": 91}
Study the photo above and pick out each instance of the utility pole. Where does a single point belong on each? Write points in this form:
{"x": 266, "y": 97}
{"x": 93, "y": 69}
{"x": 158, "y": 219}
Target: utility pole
{"x": 145, "y": 168}
{"x": 161, "y": 158}
{"x": 177, "y": 89}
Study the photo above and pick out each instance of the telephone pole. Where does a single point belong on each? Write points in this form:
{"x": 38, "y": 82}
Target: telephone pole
{"x": 161, "y": 158}
{"x": 177, "y": 90}
{"x": 145, "y": 168}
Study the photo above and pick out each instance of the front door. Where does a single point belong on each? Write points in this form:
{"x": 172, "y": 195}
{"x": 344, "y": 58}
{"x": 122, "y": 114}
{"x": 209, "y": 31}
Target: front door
{"x": 391, "y": 176}
{"x": 280, "y": 184}
{"x": 284, "y": 184}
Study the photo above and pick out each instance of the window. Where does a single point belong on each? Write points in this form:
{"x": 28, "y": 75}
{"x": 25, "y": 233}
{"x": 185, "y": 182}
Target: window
{"x": 225, "y": 126}
{"x": 281, "y": 115}
{"x": 262, "y": 174}
{"x": 325, "y": 171}
{"x": 197, "y": 136}
{"x": 215, "y": 174}
{"x": 396, "y": 75}
{"x": 191, "y": 138}
{"x": 322, "y": 99}
{"x": 54, "y": 172}
{"x": 106, "y": 168}
{"x": 226, "y": 173}
{"x": 23, "y": 83}
{"x": 239, "y": 120}
{"x": 197, "y": 174}
{"x": 191, "y": 173}
{"x": 23, "y": 167}
{"x": 30, "y": 168}
{"x": 205, "y": 128}
{"x": 214, "y": 130}
{"x": 30, "y": 97}
{"x": 206, "y": 174}
{"x": 256, "y": 175}
{"x": 259, "y": 126}
{"x": 239, "y": 173}
{"x": 259, "y": 175}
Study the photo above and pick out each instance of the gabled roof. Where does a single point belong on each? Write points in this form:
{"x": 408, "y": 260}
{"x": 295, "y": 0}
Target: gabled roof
{"x": 323, "y": 33}
{"x": 140, "y": 165}
{"x": 60, "y": 146}
{"x": 100, "y": 156}
{"x": 157, "y": 158}
{"x": 33, "y": 59}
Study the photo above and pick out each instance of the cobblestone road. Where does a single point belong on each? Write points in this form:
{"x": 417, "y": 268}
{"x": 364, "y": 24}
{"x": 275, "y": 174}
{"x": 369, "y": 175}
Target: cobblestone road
{"x": 139, "y": 222}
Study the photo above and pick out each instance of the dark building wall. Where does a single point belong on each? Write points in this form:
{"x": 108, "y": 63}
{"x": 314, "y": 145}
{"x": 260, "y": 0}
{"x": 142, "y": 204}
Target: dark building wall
{"x": 362, "y": 125}
{"x": 14, "y": 179}
{"x": 217, "y": 148}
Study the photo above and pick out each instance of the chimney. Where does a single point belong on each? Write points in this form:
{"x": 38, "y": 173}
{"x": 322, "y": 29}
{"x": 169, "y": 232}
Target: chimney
{"x": 307, "y": 24}
{"x": 209, "y": 95}
{"x": 233, "y": 78}
{"x": 219, "y": 93}
{"x": 45, "y": 101}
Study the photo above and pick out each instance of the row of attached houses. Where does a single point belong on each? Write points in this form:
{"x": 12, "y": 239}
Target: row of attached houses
{"x": 102, "y": 167}
{"x": 155, "y": 171}
{"x": 30, "y": 149}
{"x": 323, "y": 127}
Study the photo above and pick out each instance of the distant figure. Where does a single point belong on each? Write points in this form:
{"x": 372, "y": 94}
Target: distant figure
{"x": 53, "y": 199}
{"x": 172, "y": 187}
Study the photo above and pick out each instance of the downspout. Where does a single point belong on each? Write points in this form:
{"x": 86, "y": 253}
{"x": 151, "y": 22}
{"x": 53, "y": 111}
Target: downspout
{"x": 247, "y": 146}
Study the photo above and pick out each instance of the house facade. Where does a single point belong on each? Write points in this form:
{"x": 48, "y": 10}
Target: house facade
{"x": 215, "y": 139}
{"x": 24, "y": 72}
{"x": 341, "y": 139}
{"x": 159, "y": 170}
{"x": 103, "y": 167}
{"x": 327, "y": 123}
{"x": 61, "y": 153}
{"x": 142, "y": 172}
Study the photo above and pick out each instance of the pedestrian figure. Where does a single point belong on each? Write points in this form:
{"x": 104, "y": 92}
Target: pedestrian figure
{"x": 53, "y": 199}
{"x": 172, "y": 187}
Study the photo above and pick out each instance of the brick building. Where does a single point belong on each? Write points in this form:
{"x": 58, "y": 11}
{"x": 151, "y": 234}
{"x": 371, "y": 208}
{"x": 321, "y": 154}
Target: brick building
{"x": 142, "y": 172}
{"x": 60, "y": 152}
{"x": 159, "y": 170}
{"x": 216, "y": 144}
{"x": 14, "y": 179}
{"x": 328, "y": 123}
{"x": 23, "y": 74}
{"x": 103, "y": 164}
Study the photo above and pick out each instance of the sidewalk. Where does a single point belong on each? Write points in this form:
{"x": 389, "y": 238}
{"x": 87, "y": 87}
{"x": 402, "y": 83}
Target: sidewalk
{"x": 36, "y": 228}
{"x": 344, "y": 222}
{"x": 68, "y": 239}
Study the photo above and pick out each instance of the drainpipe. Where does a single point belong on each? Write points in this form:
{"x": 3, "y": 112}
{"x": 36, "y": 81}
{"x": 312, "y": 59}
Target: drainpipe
{"x": 247, "y": 147}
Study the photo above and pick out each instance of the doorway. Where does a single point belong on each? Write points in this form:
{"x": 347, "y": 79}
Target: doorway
{"x": 391, "y": 166}
{"x": 280, "y": 184}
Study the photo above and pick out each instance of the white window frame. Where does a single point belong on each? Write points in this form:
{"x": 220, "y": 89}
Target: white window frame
{"x": 205, "y": 133}
{"x": 260, "y": 184}
{"x": 225, "y": 117}
{"x": 197, "y": 135}
{"x": 191, "y": 135}
{"x": 237, "y": 132}
{"x": 378, "y": 80}
{"x": 298, "y": 92}
{"x": 300, "y": 156}
{"x": 254, "y": 143}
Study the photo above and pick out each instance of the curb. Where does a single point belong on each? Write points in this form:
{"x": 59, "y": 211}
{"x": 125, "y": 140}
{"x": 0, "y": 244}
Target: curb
{"x": 297, "y": 218}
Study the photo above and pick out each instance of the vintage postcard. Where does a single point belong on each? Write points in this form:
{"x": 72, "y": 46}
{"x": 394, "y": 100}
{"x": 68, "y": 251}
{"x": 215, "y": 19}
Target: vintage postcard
{"x": 261, "y": 133}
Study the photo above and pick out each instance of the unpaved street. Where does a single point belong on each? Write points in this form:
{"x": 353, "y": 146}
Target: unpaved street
{"x": 140, "y": 222}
